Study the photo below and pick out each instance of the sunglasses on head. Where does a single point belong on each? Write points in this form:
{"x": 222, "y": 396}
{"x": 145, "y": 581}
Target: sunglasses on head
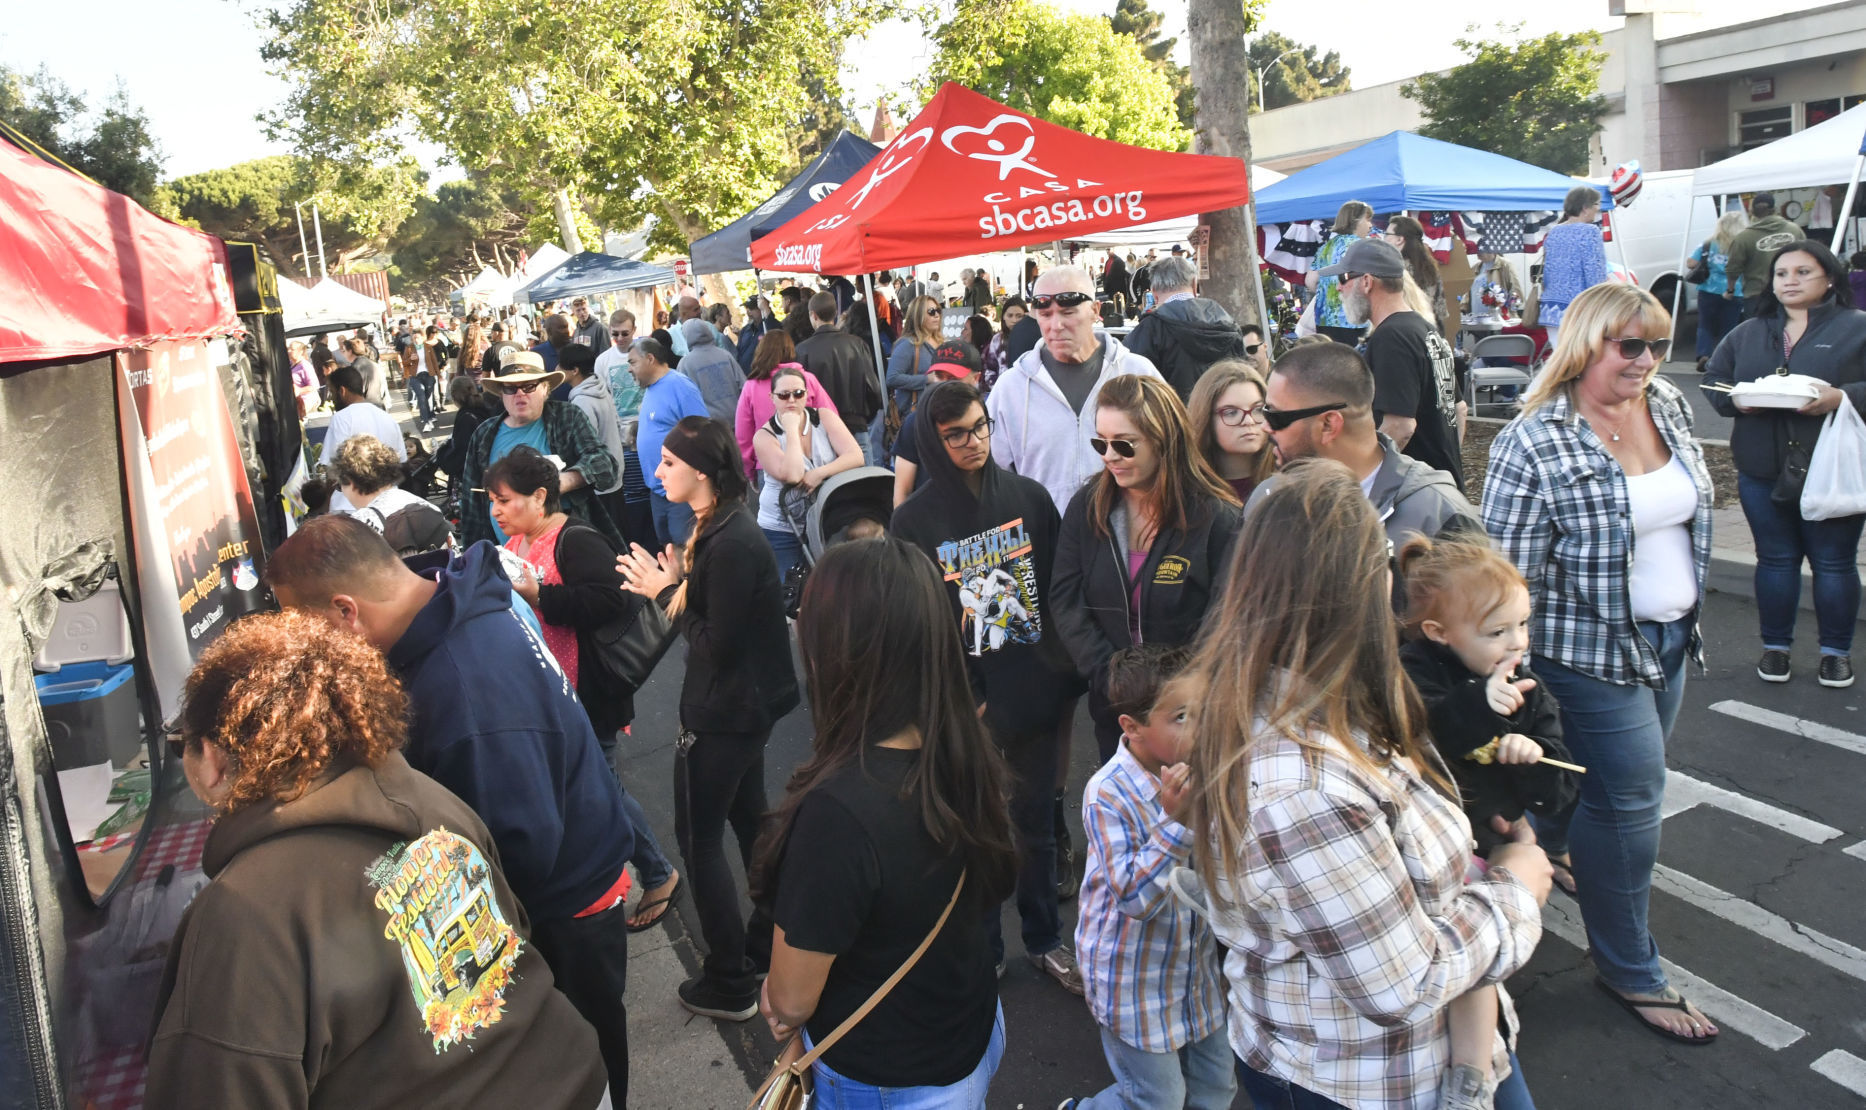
{"x": 789, "y": 394}
{"x": 1278, "y": 419}
{"x": 1631, "y": 349}
{"x": 1122, "y": 447}
{"x": 1070, "y": 299}
{"x": 522, "y": 387}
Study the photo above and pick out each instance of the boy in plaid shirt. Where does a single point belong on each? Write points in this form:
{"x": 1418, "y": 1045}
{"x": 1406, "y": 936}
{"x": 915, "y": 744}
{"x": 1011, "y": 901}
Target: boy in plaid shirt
{"x": 1150, "y": 966}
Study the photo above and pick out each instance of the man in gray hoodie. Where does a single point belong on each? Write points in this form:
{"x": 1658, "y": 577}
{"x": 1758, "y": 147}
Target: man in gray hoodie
{"x": 1320, "y": 402}
{"x": 1752, "y": 252}
{"x": 590, "y": 393}
{"x": 716, "y": 372}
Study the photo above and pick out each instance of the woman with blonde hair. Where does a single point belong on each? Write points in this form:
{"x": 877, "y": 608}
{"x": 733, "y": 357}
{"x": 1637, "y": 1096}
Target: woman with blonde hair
{"x": 1228, "y": 429}
{"x": 333, "y": 864}
{"x": 1598, "y": 493}
{"x": 1352, "y": 222}
{"x": 1720, "y": 297}
{"x": 921, "y": 335}
{"x": 1327, "y": 835}
{"x": 1144, "y": 545}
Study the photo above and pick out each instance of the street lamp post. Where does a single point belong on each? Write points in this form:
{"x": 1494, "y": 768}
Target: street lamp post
{"x": 1267, "y": 69}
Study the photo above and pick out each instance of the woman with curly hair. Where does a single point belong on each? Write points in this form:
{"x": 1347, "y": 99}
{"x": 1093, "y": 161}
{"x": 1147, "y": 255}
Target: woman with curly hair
{"x": 369, "y": 474}
{"x": 358, "y": 946}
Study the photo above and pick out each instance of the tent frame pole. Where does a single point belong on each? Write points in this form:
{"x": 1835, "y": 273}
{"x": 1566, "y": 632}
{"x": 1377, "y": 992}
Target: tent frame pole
{"x": 1845, "y": 216}
{"x": 1684, "y": 252}
{"x": 874, "y": 333}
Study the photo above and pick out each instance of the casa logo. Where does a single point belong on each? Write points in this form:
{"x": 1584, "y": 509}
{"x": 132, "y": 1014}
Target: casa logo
{"x": 800, "y": 256}
{"x": 1769, "y": 244}
{"x": 997, "y": 147}
{"x": 893, "y": 160}
{"x": 1172, "y": 571}
{"x": 822, "y": 189}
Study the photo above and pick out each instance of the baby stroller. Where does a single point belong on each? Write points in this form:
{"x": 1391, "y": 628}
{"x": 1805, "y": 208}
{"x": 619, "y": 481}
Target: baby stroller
{"x": 852, "y": 505}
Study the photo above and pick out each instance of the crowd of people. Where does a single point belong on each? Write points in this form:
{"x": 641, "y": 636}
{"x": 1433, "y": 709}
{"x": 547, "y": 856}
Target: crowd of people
{"x": 1352, "y": 729}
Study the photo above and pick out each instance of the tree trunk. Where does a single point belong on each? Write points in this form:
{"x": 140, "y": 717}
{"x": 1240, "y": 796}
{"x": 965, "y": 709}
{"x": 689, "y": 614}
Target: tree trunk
{"x": 567, "y": 221}
{"x": 1221, "y": 82}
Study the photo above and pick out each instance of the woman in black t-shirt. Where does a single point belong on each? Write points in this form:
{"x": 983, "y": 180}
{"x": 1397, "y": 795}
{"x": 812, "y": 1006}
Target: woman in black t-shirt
{"x": 903, "y": 794}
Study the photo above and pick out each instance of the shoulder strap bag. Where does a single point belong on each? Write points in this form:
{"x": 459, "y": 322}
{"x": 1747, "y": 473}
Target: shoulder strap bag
{"x": 628, "y": 648}
{"x": 788, "y": 1085}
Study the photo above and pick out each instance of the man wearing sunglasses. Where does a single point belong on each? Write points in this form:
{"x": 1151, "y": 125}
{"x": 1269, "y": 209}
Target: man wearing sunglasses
{"x": 1320, "y": 403}
{"x": 1043, "y": 407}
{"x": 1415, "y": 376}
{"x": 1256, "y": 350}
{"x": 1184, "y": 333}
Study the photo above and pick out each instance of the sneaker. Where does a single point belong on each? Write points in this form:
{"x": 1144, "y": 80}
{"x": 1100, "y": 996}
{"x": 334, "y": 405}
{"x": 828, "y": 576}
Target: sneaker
{"x": 1465, "y": 1088}
{"x": 1069, "y": 1104}
{"x": 707, "y": 1000}
{"x": 1059, "y": 963}
{"x": 1773, "y": 666}
{"x": 1837, "y": 671}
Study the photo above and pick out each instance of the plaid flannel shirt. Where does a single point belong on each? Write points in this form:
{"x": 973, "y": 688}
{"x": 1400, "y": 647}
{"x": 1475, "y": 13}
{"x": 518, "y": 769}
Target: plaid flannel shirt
{"x": 1555, "y": 501}
{"x": 573, "y": 439}
{"x": 1149, "y": 965}
{"x": 1350, "y": 927}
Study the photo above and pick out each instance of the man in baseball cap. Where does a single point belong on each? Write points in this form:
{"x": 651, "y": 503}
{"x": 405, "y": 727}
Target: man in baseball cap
{"x": 953, "y": 361}
{"x": 1752, "y": 252}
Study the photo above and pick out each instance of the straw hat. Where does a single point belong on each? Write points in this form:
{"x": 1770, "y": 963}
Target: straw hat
{"x": 521, "y": 367}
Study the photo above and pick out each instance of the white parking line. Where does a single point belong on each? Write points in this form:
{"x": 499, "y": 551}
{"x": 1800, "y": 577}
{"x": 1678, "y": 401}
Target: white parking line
{"x": 1857, "y": 851}
{"x": 1843, "y": 1068}
{"x": 1561, "y": 918}
{"x": 1815, "y": 945}
{"x": 1682, "y": 792}
{"x": 1812, "y": 730}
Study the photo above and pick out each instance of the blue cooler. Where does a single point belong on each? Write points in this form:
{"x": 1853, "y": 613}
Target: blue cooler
{"x": 91, "y": 714}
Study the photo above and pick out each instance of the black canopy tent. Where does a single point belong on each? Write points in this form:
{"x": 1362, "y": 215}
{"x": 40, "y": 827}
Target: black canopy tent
{"x": 730, "y": 248}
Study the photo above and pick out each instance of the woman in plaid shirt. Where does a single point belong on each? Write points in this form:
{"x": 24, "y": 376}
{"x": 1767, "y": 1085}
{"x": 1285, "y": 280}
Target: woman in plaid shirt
{"x": 1598, "y": 493}
{"x": 1329, "y": 837}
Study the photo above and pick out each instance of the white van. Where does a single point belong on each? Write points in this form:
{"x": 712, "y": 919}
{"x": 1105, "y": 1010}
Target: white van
{"x": 1648, "y": 232}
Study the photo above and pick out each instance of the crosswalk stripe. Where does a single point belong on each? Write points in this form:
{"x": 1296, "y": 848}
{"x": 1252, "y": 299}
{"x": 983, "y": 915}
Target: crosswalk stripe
{"x": 1857, "y": 851}
{"x": 1812, "y": 730}
{"x": 1682, "y": 792}
{"x": 1815, "y": 945}
{"x": 1771, "y": 1032}
{"x": 1843, "y": 1068}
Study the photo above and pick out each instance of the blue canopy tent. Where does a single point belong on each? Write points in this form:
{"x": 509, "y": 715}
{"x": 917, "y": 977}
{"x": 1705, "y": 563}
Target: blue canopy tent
{"x": 1404, "y": 172}
{"x": 589, "y": 273}
{"x": 730, "y": 248}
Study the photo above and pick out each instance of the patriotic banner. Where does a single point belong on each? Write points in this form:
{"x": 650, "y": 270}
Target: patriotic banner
{"x": 1289, "y": 249}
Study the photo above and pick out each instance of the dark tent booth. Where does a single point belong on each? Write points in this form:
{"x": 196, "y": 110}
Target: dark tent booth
{"x": 589, "y": 273}
{"x": 730, "y": 248}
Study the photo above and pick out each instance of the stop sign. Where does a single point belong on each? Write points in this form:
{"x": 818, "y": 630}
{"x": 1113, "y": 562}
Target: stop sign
{"x": 680, "y": 268}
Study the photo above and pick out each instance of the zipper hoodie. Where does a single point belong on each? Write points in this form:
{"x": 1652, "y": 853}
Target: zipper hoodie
{"x": 995, "y": 549}
{"x": 359, "y": 947}
{"x": 1035, "y": 433}
{"x": 495, "y": 721}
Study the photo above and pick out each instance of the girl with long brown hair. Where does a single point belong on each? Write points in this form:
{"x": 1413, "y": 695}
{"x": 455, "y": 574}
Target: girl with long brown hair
{"x": 1144, "y": 544}
{"x": 1407, "y": 235}
{"x": 1228, "y": 428}
{"x": 921, "y": 335}
{"x": 1327, "y": 835}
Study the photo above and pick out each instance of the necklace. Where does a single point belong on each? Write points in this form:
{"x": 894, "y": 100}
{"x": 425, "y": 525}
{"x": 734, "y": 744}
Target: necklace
{"x": 1616, "y": 430}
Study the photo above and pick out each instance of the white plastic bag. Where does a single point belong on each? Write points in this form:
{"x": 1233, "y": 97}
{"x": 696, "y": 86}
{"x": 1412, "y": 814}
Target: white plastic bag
{"x": 1836, "y": 484}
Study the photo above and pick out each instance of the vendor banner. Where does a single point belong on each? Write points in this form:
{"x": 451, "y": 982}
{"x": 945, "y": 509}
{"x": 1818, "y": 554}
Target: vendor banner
{"x": 192, "y": 517}
{"x": 970, "y": 175}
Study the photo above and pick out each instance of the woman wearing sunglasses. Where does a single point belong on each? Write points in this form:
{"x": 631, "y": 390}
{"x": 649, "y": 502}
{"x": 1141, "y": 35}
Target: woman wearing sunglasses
{"x": 1144, "y": 545}
{"x": 1598, "y": 493}
{"x": 799, "y": 448}
{"x": 913, "y": 353}
{"x": 1228, "y": 428}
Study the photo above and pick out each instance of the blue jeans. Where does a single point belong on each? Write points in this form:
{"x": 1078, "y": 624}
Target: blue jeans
{"x": 423, "y": 390}
{"x": 1717, "y": 314}
{"x": 1267, "y": 1092}
{"x": 673, "y": 520}
{"x": 1032, "y": 758}
{"x": 1783, "y": 540}
{"x": 1199, "y": 1076}
{"x": 862, "y": 440}
{"x": 835, "y": 1091}
{"x": 787, "y": 547}
{"x": 1618, "y": 733}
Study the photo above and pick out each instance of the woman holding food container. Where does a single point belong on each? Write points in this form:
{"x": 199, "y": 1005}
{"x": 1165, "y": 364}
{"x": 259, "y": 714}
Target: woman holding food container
{"x": 1780, "y": 374}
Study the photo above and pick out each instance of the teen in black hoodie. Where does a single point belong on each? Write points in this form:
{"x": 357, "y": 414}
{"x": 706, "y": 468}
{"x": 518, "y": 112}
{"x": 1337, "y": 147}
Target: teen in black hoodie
{"x": 993, "y": 535}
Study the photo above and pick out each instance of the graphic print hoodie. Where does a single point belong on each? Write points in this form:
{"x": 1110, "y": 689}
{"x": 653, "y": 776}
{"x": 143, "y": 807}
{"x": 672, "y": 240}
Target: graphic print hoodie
{"x": 995, "y": 549}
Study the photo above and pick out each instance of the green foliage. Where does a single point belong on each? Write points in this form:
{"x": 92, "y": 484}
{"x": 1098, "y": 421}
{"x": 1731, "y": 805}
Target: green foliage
{"x": 459, "y": 230}
{"x": 1141, "y": 23}
{"x": 1293, "y": 73}
{"x": 253, "y": 202}
{"x": 1537, "y": 100}
{"x": 686, "y": 111}
{"x": 114, "y": 149}
{"x": 1072, "y": 70}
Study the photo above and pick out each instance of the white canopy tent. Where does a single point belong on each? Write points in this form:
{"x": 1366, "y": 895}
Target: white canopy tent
{"x": 1170, "y": 231}
{"x": 326, "y": 306}
{"x": 479, "y": 288}
{"x": 541, "y": 261}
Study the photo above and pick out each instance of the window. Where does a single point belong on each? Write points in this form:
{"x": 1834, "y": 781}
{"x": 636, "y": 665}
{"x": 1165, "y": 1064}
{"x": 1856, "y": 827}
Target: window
{"x": 1853, "y": 101}
{"x": 1763, "y": 125}
{"x": 1819, "y": 111}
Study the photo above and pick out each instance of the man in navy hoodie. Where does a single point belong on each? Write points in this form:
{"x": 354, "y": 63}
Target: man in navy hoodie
{"x": 497, "y": 722}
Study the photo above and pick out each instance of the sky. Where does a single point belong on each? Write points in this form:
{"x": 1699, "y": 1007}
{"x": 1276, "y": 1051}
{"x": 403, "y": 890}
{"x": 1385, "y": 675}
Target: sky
{"x": 194, "y": 65}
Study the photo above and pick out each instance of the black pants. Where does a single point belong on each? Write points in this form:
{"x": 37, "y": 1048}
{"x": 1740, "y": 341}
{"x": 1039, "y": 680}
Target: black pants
{"x": 634, "y": 519}
{"x": 1032, "y": 759}
{"x": 720, "y": 780}
{"x": 588, "y": 956}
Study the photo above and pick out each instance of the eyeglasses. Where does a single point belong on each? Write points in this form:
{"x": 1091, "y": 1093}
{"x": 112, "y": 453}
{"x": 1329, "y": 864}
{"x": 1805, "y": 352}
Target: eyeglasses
{"x": 1631, "y": 349}
{"x": 959, "y": 437}
{"x": 623, "y": 333}
{"x": 1231, "y": 416}
{"x": 1122, "y": 447}
{"x": 1070, "y": 299}
{"x": 521, "y": 387}
{"x": 1278, "y": 419}
{"x": 789, "y": 394}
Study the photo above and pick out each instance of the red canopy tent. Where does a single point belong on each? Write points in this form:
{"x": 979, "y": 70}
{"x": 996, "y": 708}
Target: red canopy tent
{"x": 969, "y": 174}
{"x": 87, "y": 270}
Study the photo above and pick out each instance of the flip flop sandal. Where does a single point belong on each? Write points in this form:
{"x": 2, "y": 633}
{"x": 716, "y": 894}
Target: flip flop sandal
{"x": 1561, "y": 869}
{"x": 1633, "y": 1006}
{"x": 667, "y": 902}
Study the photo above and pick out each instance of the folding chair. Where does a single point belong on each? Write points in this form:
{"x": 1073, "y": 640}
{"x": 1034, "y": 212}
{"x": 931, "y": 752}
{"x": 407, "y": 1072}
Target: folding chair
{"x": 1494, "y": 377}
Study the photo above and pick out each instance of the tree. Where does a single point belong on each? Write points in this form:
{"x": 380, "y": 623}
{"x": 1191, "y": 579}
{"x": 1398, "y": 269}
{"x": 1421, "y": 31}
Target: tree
{"x": 1293, "y": 73}
{"x": 1220, "y": 67}
{"x": 1072, "y": 70}
{"x": 1537, "y": 100}
{"x": 461, "y": 229}
{"x": 1141, "y": 23}
{"x": 114, "y": 149}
